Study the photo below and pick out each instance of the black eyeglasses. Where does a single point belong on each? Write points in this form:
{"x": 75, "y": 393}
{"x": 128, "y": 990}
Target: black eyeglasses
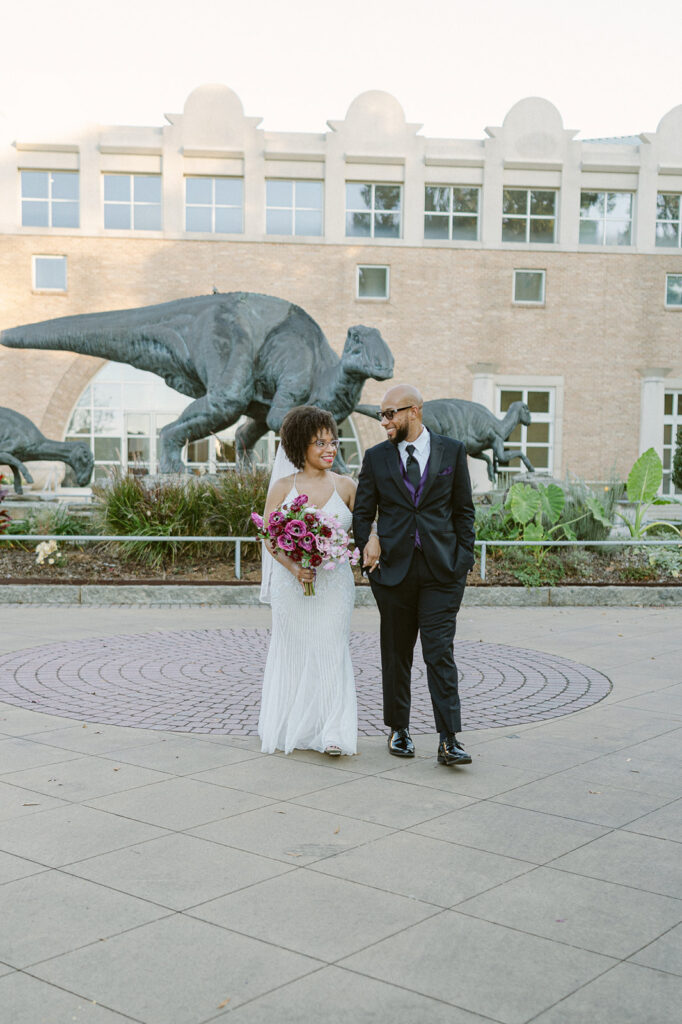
{"x": 388, "y": 414}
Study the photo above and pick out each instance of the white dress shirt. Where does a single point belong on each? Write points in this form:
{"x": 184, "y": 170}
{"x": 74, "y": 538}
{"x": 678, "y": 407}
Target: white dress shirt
{"x": 422, "y": 450}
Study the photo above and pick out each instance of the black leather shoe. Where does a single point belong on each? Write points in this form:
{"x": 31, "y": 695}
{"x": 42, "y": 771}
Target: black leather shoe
{"x": 451, "y": 751}
{"x": 400, "y": 743}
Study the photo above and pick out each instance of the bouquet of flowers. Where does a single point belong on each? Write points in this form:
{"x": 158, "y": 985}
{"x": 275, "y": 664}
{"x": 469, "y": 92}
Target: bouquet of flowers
{"x": 308, "y": 536}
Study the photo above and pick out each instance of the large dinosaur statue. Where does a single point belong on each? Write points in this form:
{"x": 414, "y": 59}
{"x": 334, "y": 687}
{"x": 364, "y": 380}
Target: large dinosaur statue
{"x": 237, "y": 353}
{"x": 21, "y": 441}
{"x": 475, "y": 426}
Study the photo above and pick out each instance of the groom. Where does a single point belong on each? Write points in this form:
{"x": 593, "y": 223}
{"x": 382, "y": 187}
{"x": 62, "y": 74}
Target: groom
{"x": 418, "y": 555}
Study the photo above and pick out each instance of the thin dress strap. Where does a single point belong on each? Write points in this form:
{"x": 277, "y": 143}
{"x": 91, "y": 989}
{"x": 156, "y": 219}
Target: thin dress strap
{"x": 333, "y": 480}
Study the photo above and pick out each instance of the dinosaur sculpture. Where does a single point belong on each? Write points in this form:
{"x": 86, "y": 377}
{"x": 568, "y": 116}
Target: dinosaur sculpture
{"x": 21, "y": 441}
{"x": 236, "y": 353}
{"x": 475, "y": 426}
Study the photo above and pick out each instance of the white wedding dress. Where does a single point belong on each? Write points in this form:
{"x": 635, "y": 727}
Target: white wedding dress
{"x": 309, "y": 698}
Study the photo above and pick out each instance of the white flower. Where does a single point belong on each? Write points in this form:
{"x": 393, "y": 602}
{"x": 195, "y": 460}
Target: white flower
{"x": 50, "y": 561}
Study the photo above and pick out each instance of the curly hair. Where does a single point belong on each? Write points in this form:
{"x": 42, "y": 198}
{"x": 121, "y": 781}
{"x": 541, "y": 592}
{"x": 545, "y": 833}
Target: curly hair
{"x": 300, "y": 427}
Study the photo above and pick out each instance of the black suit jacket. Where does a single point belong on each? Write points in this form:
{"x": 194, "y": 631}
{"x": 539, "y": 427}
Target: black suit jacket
{"x": 444, "y": 515}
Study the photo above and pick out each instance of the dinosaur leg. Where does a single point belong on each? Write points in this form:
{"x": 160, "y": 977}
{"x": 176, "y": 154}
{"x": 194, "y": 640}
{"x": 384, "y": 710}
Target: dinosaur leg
{"x": 17, "y": 468}
{"x": 285, "y": 398}
{"x": 215, "y": 411}
{"x": 246, "y": 437}
{"x": 484, "y": 458}
{"x": 504, "y": 457}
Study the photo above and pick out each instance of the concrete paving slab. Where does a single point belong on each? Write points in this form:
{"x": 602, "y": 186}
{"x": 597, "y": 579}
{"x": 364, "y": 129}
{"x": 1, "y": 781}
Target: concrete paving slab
{"x": 666, "y": 748}
{"x": 481, "y": 780}
{"x": 16, "y": 721}
{"x": 137, "y": 973}
{"x": 628, "y": 859}
{"x": 668, "y": 701}
{"x": 179, "y": 803}
{"x": 17, "y": 867}
{"x": 295, "y": 835}
{"x": 65, "y": 913}
{"x": 67, "y": 834}
{"x": 665, "y": 823}
{"x": 664, "y": 954}
{"x": 575, "y": 797}
{"x": 384, "y": 801}
{"x": 590, "y": 914}
{"x": 481, "y": 967}
{"x": 17, "y": 753}
{"x": 83, "y": 778}
{"x": 182, "y": 755}
{"x": 510, "y": 831}
{"x": 278, "y": 778}
{"x": 6, "y": 969}
{"x": 314, "y": 914}
{"x": 28, "y": 1000}
{"x": 422, "y": 868}
{"x": 17, "y": 803}
{"x": 92, "y": 738}
{"x": 627, "y": 769}
{"x": 178, "y": 871}
{"x": 628, "y": 994}
{"x": 530, "y": 752}
{"x": 341, "y": 996}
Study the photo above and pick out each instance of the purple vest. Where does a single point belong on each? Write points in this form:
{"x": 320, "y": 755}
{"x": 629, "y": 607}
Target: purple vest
{"x": 416, "y": 494}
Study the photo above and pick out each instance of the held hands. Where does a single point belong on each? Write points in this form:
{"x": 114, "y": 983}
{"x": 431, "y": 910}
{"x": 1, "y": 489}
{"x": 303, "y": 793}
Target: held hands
{"x": 303, "y": 575}
{"x": 371, "y": 553}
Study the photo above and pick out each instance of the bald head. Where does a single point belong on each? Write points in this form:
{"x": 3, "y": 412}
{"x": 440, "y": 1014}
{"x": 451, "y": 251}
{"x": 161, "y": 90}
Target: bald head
{"x": 404, "y": 404}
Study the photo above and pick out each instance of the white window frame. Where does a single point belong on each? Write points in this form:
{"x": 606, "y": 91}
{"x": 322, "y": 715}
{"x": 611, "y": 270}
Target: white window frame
{"x": 528, "y": 217}
{"x": 372, "y": 298}
{"x": 452, "y": 215}
{"x": 674, "y": 421}
{"x": 554, "y": 386}
{"x": 41, "y": 288}
{"x": 212, "y": 206}
{"x": 675, "y": 306}
{"x": 131, "y": 203}
{"x": 606, "y": 219}
{"x": 529, "y": 302}
{"x": 677, "y": 222}
{"x": 50, "y": 201}
{"x": 373, "y": 211}
{"x": 295, "y": 207}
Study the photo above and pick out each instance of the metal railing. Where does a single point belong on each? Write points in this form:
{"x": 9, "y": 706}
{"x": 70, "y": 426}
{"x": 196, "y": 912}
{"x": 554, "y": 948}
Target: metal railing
{"x": 238, "y": 541}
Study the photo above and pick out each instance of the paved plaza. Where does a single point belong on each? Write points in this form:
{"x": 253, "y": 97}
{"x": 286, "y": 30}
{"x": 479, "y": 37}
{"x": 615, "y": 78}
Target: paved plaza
{"x": 162, "y": 871}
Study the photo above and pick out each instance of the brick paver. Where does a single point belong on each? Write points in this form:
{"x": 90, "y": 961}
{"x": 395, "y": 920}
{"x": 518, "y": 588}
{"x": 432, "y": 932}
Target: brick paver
{"x": 208, "y": 681}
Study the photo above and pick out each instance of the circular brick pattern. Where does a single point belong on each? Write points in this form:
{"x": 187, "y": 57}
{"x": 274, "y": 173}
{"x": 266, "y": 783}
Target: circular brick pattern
{"x": 208, "y": 681}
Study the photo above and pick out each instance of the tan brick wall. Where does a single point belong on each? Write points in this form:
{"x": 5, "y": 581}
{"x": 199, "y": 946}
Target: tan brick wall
{"x": 604, "y": 319}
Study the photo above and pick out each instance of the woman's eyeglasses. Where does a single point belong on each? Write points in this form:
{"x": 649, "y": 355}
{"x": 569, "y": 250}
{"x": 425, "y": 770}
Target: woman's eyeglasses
{"x": 388, "y": 414}
{"x": 327, "y": 444}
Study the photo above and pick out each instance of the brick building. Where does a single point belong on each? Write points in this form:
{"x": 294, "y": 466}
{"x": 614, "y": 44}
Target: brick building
{"x": 524, "y": 265}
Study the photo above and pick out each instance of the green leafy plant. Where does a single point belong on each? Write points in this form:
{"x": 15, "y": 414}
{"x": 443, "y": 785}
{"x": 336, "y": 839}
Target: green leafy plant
{"x": 4, "y": 514}
{"x": 537, "y": 511}
{"x": 644, "y": 481}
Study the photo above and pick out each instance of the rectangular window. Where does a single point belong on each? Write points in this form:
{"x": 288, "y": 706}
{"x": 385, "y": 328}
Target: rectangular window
{"x": 672, "y": 422}
{"x": 534, "y": 439}
{"x": 49, "y": 273}
{"x": 293, "y": 207}
{"x": 49, "y": 199}
{"x": 373, "y": 211}
{"x": 132, "y": 202}
{"x": 451, "y": 212}
{"x": 214, "y": 205}
{"x": 673, "y": 291}
{"x": 529, "y": 215}
{"x": 529, "y": 287}
{"x": 668, "y": 220}
{"x": 373, "y": 282}
{"x": 606, "y": 218}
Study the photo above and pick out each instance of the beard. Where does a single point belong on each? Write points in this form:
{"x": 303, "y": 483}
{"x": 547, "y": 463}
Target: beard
{"x": 400, "y": 434}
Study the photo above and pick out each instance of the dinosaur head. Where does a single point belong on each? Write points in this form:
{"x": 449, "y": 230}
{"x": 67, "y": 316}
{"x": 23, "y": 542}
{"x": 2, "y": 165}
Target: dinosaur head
{"x": 366, "y": 354}
{"x": 81, "y": 461}
{"x": 524, "y": 413}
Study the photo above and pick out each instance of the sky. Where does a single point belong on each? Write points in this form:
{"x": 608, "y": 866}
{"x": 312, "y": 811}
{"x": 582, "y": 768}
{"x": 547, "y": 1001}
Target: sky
{"x": 611, "y": 67}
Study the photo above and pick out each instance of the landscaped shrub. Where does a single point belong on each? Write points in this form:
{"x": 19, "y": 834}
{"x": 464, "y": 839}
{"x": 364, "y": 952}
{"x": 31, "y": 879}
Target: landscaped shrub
{"x": 192, "y": 507}
{"x": 677, "y": 461}
{"x": 4, "y": 514}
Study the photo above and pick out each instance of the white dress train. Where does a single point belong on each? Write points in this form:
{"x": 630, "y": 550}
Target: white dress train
{"x": 308, "y": 697}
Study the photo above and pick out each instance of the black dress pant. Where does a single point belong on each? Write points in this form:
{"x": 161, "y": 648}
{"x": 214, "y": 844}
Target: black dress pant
{"x": 419, "y": 604}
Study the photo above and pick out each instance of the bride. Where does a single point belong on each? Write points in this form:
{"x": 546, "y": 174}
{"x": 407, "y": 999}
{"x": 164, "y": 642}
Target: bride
{"x": 308, "y": 697}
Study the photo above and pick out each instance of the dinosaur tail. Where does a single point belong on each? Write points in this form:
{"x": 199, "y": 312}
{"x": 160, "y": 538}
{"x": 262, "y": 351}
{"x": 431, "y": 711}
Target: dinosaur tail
{"x": 368, "y": 410}
{"x": 96, "y": 334}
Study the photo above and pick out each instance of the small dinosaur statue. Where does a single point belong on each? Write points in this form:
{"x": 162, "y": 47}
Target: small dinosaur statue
{"x": 235, "y": 353}
{"x": 21, "y": 441}
{"x": 475, "y": 426}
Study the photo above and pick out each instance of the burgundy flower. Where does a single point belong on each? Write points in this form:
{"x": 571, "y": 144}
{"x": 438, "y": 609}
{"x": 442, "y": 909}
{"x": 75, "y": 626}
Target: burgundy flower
{"x": 299, "y": 502}
{"x": 325, "y": 531}
{"x": 315, "y": 560}
{"x": 296, "y": 555}
{"x": 309, "y": 519}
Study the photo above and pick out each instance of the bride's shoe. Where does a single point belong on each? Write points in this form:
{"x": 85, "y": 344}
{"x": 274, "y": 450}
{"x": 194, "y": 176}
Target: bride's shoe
{"x": 332, "y": 750}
